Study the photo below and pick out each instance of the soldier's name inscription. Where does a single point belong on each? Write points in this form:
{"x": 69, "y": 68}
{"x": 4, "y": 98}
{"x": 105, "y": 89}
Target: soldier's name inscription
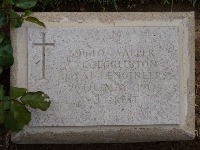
{"x": 107, "y": 75}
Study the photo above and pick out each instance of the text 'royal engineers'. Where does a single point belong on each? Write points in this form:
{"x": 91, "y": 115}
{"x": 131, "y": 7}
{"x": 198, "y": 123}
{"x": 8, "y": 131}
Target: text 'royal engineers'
{"x": 105, "y": 75}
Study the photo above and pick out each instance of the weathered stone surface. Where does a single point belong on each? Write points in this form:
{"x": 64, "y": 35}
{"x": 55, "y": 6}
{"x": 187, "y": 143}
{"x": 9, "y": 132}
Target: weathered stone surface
{"x": 108, "y": 74}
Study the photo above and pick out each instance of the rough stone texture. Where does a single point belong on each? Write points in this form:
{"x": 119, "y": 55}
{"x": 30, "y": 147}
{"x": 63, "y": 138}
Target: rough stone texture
{"x": 105, "y": 76}
{"x": 112, "y": 77}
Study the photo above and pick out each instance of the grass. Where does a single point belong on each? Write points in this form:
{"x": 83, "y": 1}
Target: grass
{"x": 44, "y": 5}
{"x": 104, "y": 3}
{"x": 171, "y": 2}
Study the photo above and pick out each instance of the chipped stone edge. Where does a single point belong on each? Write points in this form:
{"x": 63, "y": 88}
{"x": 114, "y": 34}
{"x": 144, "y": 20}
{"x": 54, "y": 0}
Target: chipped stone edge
{"x": 114, "y": 134}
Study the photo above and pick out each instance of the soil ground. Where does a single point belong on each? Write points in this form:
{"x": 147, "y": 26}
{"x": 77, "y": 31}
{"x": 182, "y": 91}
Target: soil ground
{"x": 137, "y": 6}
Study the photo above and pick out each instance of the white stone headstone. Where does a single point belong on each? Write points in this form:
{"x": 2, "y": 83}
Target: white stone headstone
{"x": 108, "y": 74}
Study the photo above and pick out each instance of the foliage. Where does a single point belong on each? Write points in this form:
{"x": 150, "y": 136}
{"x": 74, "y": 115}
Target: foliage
{"x": 104, "y": 3}
{"x": 43, "y": 4}
{"x": 171, "y": 2}
{"x": 193, "y": 2}
{"x": 10, "y": 19}
{"x": 13, "y": 108}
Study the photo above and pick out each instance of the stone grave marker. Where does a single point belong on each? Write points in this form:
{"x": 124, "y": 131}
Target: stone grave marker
{"x": 111, "y": 77}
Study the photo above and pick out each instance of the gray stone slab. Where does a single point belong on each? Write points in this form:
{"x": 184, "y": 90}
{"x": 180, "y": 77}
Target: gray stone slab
{"x": 111, "y": 77}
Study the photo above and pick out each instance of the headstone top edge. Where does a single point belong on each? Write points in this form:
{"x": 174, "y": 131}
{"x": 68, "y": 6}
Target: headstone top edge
{"x": 113, "y": 16}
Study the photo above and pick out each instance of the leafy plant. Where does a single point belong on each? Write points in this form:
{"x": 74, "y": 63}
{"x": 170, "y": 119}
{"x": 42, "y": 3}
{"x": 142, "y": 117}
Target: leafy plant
{"x": 10, "y": 19}
{"x": 13, "y": 106}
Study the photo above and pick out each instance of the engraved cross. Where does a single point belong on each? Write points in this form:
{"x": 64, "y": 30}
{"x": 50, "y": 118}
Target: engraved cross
{"x": 43, "y": 44}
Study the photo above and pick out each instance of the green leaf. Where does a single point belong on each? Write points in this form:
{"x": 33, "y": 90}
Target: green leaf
{"x": 2, "y": 92}
{"x": 17, "y": 92}
{"x": 20, "y": 113}
{"x": 10, "y": 122}
{"x": 1, "y": 113}
{"x": 15, "y": 19}
{"x": 35, "y": 20}
{"x": 11, "y": 2}
{"x": 36, "y": 100}
{"x": 2, "y": 19}
{"x": 16, "y": 117}
{"x": 2, "y": 36}
{"x": 25, "y": 4}
{"x": 6, "y": 56}
{"x": 6, "y": 103}
{"x": 27, "y": 13}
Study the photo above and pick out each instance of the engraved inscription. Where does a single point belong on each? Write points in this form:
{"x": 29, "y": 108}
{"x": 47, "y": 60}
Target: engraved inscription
{"x": 43, "y": 44}
{"x": 107, "y": 75}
